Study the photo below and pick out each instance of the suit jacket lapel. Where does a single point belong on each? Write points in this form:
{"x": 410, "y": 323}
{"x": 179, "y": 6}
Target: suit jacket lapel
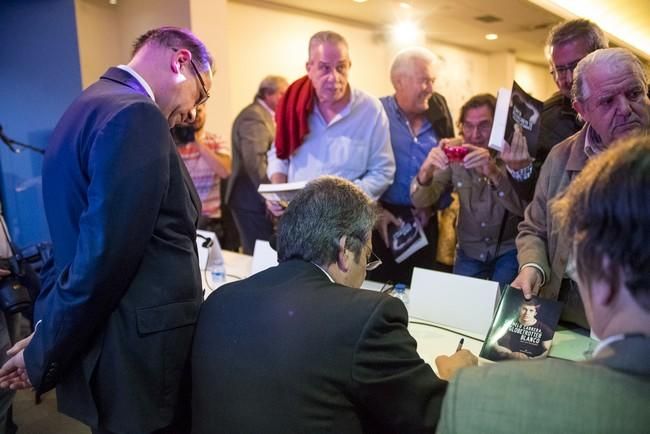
{"x": 123, "y": 77}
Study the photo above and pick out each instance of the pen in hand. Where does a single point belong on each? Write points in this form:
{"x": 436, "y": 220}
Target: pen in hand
{"x": 460, "y": 344}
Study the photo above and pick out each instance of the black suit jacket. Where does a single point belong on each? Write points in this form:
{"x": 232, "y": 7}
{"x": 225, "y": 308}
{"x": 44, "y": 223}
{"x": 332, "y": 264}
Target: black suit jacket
{"x": 121, "y": 298}
{"x": 287, "y": 351}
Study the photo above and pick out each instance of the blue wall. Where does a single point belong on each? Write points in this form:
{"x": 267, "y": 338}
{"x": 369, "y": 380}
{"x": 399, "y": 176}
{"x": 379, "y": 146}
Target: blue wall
{"x": 39, "y": 77}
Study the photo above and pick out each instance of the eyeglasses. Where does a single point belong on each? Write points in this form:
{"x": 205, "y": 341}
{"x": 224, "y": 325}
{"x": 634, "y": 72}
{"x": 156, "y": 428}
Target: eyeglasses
{"x": 483, "y": 128}
{"x": 561, "y": 69}
{"x": 373, "y": 262}
{"x": 204, "y": 91}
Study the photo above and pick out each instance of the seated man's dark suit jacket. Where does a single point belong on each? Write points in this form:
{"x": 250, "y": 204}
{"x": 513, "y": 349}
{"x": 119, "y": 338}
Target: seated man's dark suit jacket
{"x": 288, "y": 351}
{"x": 121, "y": 297}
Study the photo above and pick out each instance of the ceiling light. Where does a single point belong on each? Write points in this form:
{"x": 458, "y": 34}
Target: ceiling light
{"x": 405, "y": 5}
{"x": 405, "y": 32}
{"x": 359, "y": 1}
{"x": 112, "y": 2}
{"x": 491, "y": 36}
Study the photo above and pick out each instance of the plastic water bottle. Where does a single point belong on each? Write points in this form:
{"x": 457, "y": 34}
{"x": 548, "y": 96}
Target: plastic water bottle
{"x": 400, "y": 292}
{"x": 215, "y": 267}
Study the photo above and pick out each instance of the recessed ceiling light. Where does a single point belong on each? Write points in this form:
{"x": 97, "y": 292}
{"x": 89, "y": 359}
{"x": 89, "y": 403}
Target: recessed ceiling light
{"x": 405, "y": 32}
{"x": 359, "y": 1}
{"x": 491, "y": 36}
{"x": 405, "y": 5}
{"x": 112, "y": 2}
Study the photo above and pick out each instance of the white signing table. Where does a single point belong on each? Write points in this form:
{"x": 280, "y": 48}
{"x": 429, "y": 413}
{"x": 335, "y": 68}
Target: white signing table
{"x": 433, "y": 339}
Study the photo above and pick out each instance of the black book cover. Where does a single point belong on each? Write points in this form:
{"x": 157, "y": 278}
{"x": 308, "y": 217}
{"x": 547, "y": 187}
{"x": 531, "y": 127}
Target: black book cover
{"x": 515, "y": 106}
{"x": 521, "y": 329}
{"x": 406, "y": 239}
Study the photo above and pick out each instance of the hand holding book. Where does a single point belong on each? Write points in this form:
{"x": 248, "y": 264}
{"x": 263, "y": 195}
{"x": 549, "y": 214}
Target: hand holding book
{"x": 515, "y": 155}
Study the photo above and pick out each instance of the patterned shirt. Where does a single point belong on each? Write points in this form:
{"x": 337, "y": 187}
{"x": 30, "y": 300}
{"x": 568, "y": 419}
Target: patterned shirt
{"x": 205, "y": 180}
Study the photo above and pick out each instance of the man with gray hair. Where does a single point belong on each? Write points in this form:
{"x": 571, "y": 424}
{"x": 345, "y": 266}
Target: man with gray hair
{"x": 567, "y": 43}
{"x": 610, "y": 93}
{"x": 302, "y": 345}
{"x": 252, "y": 135}
{"x": 327, "y": 127}
{"x": 413, "y": 133}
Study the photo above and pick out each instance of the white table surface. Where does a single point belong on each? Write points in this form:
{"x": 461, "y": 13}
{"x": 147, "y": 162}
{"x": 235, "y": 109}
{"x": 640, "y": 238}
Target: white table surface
{"x": 432, "y": 339}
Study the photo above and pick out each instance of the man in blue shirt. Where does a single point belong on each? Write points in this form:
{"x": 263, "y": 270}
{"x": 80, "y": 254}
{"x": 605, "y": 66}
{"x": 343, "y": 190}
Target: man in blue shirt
{"x": 418, "y": 119}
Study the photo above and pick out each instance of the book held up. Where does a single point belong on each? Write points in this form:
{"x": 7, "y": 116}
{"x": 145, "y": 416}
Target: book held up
{"x": 515, "y": 107}
{"x": 406, "y": 239}
{"x": 521, "y": 329}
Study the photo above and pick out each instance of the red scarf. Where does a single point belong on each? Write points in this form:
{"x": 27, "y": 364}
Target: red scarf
{"x": 292, "y": 117}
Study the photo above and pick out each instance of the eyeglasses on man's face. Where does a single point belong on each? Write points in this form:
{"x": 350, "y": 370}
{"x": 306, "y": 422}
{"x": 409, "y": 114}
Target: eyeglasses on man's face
{"x": 373, "y": 261}
{"x": 203, "y": 94}
{"x": 483, "y": 128}
{"x": 556, "y": 71}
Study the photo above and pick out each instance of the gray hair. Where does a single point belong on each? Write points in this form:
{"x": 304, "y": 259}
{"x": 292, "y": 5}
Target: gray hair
{"x": 325, "y": 36}
{"x": 403, "y": 61}
{"x": 576, "y": 29}
{"x": 270, "y": 85}
{"x": 617, "y": 60}
{"x": 327, "y": 209}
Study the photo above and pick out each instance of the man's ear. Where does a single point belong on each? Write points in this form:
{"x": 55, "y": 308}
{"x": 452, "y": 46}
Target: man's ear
{"x": 604, "y": 293}
{"x": 341, "y": 258}
{"x": 180, "y": 58}
{"x": 307, "y": 65}
{"x": 580, "y": 108}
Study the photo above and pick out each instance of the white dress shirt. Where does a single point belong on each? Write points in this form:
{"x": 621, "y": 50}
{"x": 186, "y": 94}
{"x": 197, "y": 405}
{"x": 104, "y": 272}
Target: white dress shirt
{"x": 354, "y": 145}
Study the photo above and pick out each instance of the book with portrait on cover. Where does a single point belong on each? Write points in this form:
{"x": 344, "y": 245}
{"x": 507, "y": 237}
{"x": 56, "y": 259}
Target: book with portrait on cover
{"x": 521, "y": 329}
{"x": 515, "y": 106}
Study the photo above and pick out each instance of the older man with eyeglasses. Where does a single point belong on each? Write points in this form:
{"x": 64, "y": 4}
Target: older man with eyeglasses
{"x": 120, "y": 298}
{"x": 302, "y": 345}
{"x": 490, "y": 208}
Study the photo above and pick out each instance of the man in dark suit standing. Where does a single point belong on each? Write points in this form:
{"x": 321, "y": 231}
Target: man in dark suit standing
{"x": 299, "y": 348}
{"x": 252, "y": 135}
{"x": 117, "y": 311}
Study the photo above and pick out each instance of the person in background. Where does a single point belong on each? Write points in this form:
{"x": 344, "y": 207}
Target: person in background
{"x": 116, "y": 313}
{"x": 305, "y": 347}
{"x": 490, "y": 207}
{"x": 207, "y": 158}
{"x": 413, "y": 133}
{"x": 253, "y": 133}
{"x": 605, "y": 215}
{"x": 610, "y": 93}
{"x": 326, "y": 127}
{"x": 567, "y": 43}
